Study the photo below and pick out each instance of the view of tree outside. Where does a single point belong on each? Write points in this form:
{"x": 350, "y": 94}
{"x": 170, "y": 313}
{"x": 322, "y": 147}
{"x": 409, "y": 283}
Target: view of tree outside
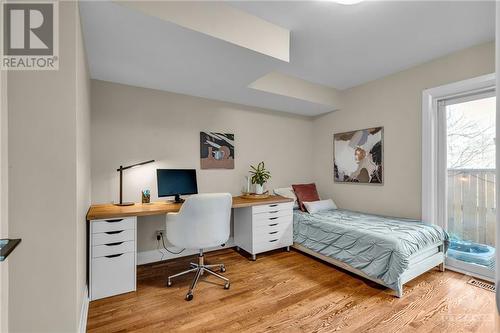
{"x": 471, "y": 134}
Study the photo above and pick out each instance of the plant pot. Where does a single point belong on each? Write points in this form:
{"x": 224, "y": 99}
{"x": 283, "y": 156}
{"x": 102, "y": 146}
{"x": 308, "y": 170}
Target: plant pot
{"x": 259, "y": 189}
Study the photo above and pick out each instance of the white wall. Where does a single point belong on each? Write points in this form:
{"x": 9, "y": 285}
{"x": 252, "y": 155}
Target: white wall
{"x": 394, "y": 102}
{"x": 131, "y": 124}
{"x": 48, "y": 192}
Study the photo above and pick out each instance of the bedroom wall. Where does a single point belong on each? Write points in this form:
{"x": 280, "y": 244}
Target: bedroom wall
{"x": 131, "y": 124}
{"x": 394, "y": 102}
{"x": 48, "y": 187}
{"x": 4, "y": 187}
{"x": 83, "y": 180}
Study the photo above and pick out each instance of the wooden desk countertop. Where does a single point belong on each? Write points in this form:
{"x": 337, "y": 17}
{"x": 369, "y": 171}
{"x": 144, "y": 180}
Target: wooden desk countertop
{"x": 105, "y": 211}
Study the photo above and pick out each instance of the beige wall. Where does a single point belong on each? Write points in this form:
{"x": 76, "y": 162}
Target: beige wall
{"x": 131, "y": 124}
{"x": 394, "y": 102}
{"x": 48, "y": 188}
{"x": 83, "y": 180}
{"x": 4, "y": 226}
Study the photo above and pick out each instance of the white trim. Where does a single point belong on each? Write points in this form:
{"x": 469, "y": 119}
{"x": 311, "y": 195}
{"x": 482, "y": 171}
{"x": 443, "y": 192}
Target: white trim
{"x": 433, "y": 156}
{"x": 497, "y": 187}
{"x": 430, "y": 156}
{"x": 442, "y": 162}
{"x": 84, "y": 311}
{"x": 474, "y": 95}
{"x": 146, "y": 257}
{"x": 457, "y": 266}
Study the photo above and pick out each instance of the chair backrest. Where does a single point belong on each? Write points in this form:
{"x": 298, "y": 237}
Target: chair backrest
{"x": 202, "y": 222}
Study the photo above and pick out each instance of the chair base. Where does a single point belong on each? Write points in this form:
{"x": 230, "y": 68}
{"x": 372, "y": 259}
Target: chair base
{"x": 199, "y": 269}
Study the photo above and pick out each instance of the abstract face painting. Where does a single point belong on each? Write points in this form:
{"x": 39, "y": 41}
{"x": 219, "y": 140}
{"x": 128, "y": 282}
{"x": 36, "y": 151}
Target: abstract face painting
{"x": 358, "y": 156}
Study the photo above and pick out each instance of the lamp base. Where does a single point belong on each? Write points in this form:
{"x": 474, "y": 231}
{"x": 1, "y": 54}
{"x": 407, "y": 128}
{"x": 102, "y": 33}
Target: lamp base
{"x": 125, "y": 204}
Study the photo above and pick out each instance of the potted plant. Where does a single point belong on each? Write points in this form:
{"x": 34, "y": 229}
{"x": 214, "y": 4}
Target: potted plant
{"x": 259, "y": 177}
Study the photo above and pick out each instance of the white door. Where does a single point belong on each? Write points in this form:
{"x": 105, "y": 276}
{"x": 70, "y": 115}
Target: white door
{"x": 466, "y": 176}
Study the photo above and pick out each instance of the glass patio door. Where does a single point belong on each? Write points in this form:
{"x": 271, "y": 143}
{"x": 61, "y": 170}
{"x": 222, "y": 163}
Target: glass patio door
{"x": 467, "y": 159}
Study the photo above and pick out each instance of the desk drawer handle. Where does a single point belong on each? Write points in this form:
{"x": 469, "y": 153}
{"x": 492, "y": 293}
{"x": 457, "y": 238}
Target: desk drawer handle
{"x": 274, "y": 212}
{"x": 114, "y": 244}
{"x": 113, "y": 221}
{"x": 273, "y": 218}
{"x": 114, "y": 255}
{"x": 275, "y": 205}
{"x": 273, "y": 224}
{"x": 113, "y": 232}
{"x": 273, "y": 232}
{"x": 272, "y": 240}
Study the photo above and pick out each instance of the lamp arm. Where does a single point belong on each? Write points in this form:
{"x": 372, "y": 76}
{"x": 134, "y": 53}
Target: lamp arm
{"x": 134, "y": 165}
{"x": 120, "y": 170}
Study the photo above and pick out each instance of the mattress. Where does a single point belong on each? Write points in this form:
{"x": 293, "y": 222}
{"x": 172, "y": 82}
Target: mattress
{"x": 379, "y": 246}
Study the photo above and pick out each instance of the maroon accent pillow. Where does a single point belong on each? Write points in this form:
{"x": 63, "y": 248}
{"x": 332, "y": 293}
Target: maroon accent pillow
{"x": 305, "y": 193}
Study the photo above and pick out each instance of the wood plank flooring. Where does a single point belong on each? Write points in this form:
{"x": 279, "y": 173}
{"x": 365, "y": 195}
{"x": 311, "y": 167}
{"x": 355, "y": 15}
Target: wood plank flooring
{"x": 291, "y": 292}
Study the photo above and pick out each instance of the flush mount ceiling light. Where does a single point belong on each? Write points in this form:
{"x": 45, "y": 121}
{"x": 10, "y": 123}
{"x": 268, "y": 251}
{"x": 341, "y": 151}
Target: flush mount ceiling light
{"x": 348, "y": 2}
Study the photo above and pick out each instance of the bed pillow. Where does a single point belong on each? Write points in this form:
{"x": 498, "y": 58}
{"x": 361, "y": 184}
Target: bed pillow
{"x": 320, "y": 205}
{"x": 287, "y": 192}
{"x": 305, "y": 192}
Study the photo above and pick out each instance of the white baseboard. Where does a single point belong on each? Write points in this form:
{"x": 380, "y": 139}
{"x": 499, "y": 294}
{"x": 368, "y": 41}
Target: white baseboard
{"x": 84, "y": 311}
{"x": 146, "y": 257}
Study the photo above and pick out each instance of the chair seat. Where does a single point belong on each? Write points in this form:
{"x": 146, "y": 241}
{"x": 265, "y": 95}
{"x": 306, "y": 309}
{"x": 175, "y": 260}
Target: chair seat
{"x": 203, "y": 222}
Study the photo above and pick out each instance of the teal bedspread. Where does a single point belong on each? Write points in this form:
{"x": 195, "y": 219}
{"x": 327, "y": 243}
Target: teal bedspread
{"x": 379, "y": 246}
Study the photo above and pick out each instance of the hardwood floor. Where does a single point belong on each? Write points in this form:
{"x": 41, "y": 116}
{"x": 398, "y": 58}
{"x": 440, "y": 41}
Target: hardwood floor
{"x": 291, "y": 292}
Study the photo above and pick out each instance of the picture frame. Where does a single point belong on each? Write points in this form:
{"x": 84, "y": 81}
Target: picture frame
{"x": 358, "y": 156}
{"x": 216, "y": 150}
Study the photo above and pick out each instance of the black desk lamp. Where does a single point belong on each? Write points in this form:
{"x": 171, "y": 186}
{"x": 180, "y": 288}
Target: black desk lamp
{"x": 120, "y": 170}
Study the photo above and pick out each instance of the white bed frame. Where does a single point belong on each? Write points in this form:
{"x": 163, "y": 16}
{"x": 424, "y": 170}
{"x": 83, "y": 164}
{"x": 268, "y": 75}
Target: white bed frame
{"x": 419, "y": 263}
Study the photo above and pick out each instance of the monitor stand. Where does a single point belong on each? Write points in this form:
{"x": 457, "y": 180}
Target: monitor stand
{"x": 178, "y": 199}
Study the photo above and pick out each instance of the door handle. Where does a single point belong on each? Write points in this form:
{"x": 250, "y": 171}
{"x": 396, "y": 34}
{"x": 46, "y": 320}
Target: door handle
{"x": 114, "y": 255}
{"x": 113, "y": 232}
{"x": 114, "y": 244}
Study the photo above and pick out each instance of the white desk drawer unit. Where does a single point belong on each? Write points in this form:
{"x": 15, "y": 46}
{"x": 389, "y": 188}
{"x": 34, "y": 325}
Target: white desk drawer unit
{"x": 113, "y": 237}
{"x": 112, "y": 257}
{"x": 263, "y": 228}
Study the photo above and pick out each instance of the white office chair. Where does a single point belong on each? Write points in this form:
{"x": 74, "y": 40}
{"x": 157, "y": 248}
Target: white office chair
{"x": 202, "y": 222}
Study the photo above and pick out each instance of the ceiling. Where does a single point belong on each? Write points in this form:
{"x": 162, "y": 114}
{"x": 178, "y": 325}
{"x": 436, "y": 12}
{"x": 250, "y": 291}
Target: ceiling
{"x": 333, "y": 45}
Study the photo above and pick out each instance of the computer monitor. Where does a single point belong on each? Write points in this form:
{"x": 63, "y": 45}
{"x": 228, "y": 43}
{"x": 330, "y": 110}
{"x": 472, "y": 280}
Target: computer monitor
{"x": 176, "y": 182}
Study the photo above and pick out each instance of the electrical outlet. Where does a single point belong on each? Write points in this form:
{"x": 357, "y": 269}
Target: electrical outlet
{"x": 159, "y": 233}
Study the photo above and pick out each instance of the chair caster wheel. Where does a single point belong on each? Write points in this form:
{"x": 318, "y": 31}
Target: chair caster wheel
{"x": 189, "y": 297}
{"x": 227, "y": 285}
{"x": 222, "y": 269}
{"x": 169, "y": 283}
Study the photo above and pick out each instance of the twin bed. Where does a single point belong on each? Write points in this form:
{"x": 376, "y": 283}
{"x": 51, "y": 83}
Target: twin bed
{"x": 387, "y": 250}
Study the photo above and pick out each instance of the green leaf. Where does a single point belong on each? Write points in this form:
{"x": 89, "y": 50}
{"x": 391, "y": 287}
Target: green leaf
{"x": 259, "y": 174}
